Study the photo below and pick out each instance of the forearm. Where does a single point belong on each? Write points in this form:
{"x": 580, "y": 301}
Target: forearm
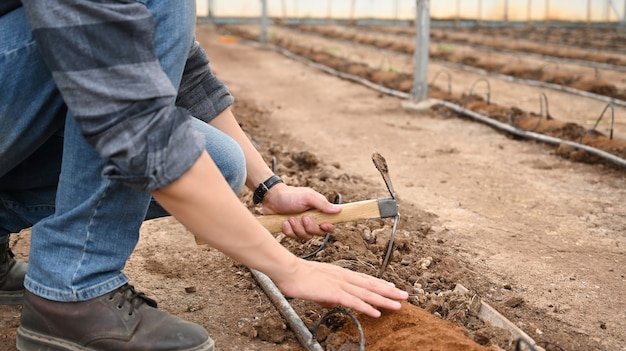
{"x": 257, "y": 168}
{"x": 203, "y": 202}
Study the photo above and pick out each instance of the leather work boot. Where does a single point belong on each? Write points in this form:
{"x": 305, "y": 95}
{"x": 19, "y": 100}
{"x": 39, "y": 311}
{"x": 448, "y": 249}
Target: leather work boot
{"x": 12, "y": 274}
{"x": 122, "y": 320}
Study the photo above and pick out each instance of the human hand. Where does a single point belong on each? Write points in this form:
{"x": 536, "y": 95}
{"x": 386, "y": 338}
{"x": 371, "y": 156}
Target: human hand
{"x": 284, "y": 199}
{"x": 330, "y": 285}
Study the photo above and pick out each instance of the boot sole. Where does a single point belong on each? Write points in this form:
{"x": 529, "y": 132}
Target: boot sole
{"x": 27, "y": 340}
{"x": 12, "y": 298}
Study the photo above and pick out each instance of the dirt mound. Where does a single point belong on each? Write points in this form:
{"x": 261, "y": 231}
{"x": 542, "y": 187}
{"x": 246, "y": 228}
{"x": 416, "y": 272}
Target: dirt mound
{"x": 411, "y": 328}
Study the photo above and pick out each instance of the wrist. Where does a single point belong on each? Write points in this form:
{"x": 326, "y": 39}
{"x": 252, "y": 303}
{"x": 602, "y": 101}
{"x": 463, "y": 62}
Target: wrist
{"x": 261, "y": 190}
{"x": 284, "y": 274}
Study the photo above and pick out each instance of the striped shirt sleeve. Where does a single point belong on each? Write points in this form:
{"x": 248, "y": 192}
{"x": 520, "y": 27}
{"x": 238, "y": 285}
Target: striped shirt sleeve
{"x": 201, "y": 92}
{"x": 102, "y": 58}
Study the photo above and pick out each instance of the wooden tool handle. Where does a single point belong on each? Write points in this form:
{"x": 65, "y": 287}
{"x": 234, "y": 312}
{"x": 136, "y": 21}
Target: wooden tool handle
{"x": 350, "y": 212}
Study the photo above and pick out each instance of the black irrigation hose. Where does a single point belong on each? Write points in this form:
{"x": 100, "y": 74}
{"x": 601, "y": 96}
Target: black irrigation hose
{"x": 471, "y": 91}
{"x": 432, "y": 82}
{"x": 323, "y": 244}
{"x": 541, "y": 103}
{"x": 320, "y": 248}
{"x": 609, "y": 106}
{"x": 345, "y": 313}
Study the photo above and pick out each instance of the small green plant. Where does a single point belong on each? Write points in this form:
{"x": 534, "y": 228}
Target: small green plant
{"x": 446, "y": 47}
{"x": 334, "y": 51}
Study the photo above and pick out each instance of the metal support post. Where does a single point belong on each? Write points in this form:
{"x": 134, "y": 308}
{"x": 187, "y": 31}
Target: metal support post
{"x": 328, "y": 11}
{"x": 588, "y": 25}
{"x": 352, "y": 8}
{"x": 620, "y": 17}
{"x": 622, "y": 22}
{"x": 284, "y": 9}
{"x": 263, "y": 21}
{"x": 422, "y": 25}
{"x": 395, "y": 10}
{"x": 607, "y": 14}
{"x": 615, "y": 9}
{"x": 506, "y": 11}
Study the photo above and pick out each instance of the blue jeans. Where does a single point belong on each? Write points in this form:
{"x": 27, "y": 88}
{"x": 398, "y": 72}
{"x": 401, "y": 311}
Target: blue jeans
{"x": 84, "y": 226}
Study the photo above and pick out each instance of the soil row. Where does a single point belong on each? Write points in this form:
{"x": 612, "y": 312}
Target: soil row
{"x": 403, "y": 82}
{"x": 597, "y": 38}
{"x": 591, "y": 84}
{"x": 597, "y": 45}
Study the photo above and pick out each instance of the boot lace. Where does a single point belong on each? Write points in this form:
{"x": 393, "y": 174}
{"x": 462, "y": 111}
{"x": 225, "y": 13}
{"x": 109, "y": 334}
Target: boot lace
{"x": 131, "y": 296}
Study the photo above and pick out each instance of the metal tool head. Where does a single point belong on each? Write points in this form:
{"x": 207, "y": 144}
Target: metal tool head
{"x": 381, "y": 165}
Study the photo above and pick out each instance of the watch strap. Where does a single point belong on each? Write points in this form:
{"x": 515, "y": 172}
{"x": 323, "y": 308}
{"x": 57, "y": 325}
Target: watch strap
{"x": 261, "y": 190}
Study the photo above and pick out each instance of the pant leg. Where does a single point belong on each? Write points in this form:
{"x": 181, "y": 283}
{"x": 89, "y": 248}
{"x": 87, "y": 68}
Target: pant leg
{"x": 32, "y": 113}
{"x": 28, "y": 191}
{"x": 79, "y": 252}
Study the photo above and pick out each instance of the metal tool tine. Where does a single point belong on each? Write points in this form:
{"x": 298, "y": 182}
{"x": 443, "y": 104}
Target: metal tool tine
{"x": 390, "y": 247}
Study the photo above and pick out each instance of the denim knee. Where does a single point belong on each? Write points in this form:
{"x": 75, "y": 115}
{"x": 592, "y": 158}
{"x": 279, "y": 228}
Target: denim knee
{"x": 235, "y": 171}
{"x": 226, "y": 153}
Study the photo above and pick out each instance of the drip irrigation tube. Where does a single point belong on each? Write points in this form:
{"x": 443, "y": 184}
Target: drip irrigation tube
{"x": 340, "y": 310}
{"x": 535, "y": 83}
{"x": 282, "y": 305}
{"x": 488, "y": 49}
{"x": 531, "y": 135}
{"x": 531, "y": 82}
{"x": 477, "y": 116}
{"x": 593, "y": 64}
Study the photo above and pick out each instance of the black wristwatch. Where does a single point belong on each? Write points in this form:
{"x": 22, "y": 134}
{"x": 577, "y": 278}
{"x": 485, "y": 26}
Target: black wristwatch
{"x": 260, "y": 191}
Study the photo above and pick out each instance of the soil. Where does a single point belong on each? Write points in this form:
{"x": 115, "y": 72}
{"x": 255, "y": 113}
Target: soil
{"x": 537, "y": 236}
